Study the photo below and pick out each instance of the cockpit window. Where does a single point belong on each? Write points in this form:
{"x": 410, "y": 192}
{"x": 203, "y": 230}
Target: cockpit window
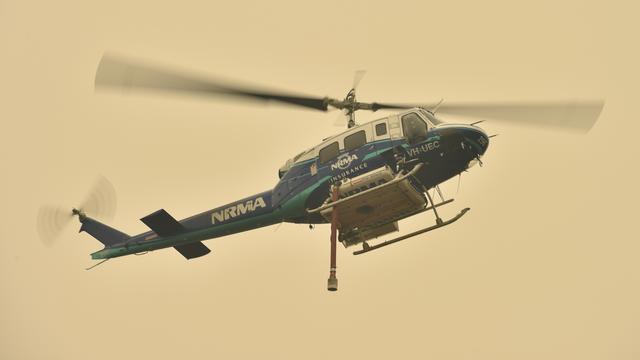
{"x": 329, "y": 152}
{"x": 355, "y": 140}
{"x": 432, "y": 118}
{"x": 414, "y": 128}
{"x": 295, "y": 158}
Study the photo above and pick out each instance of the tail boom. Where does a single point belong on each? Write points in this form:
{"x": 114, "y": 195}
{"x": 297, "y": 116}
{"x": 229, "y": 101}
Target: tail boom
{"x": 246, "y": 214}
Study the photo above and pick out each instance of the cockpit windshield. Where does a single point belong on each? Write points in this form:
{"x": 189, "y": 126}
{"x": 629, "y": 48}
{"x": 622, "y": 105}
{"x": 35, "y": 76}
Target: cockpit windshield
{"x": 287, "y": 165}
{"x": 284, "y": 168}
{"x": 431, "y": 117}
{"x": 295, "y": 158}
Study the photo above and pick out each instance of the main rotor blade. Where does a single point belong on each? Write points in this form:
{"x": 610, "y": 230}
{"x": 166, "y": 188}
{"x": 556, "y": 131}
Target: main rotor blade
{"x": 357, "y": 77}
{"x": 381, "y": 106}
{"x": 115, "y": 72}
{"x": 576, "y": 116}
{"x": 341, "y": 120}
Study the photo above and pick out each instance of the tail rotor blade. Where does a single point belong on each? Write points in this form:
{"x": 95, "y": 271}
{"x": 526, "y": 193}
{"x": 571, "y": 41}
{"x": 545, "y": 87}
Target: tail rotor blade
{"x": 50, "y": 223}
{"x": 101, "y": 201}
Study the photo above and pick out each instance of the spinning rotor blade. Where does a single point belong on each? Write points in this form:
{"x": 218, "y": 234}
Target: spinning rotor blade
{"x": 575, "y": 116}
{"x": 381, "y": 106}
{"x": 114, "y": 72}
{"x": 52, "y": 220}
{"x": 357, "y": 78}
{"x": 101, "y": 201}
{"x": 341, "y": 120}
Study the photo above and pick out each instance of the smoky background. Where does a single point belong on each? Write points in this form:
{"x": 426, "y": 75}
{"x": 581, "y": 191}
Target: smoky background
{"x": 544, "y": 265}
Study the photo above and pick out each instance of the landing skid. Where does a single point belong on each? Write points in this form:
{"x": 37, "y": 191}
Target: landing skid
{"x": 366, "y": 247}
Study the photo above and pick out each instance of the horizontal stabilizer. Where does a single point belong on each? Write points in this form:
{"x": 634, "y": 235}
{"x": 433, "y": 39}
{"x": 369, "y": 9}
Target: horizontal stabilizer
{"x": 104, "y": 233}
{"x": 193, "y": 250}
{"x": 163, "y": 224}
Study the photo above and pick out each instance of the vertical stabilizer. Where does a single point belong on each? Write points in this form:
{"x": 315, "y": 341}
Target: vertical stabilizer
{"x": 103, "y": 233}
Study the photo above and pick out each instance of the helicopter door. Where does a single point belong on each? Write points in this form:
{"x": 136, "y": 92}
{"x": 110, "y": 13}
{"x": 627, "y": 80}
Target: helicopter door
{"x": 414, "y": 128}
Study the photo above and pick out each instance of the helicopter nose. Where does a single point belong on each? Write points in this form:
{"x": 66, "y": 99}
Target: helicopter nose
{"x": 476, "y": 138}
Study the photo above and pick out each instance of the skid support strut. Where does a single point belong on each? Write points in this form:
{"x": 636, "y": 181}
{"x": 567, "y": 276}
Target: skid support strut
{"x": 332, "y": 282}
{"x": 433, "y": 205}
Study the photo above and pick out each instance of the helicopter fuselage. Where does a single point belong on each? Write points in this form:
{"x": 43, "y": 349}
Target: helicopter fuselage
{"x": 444, "y": 150}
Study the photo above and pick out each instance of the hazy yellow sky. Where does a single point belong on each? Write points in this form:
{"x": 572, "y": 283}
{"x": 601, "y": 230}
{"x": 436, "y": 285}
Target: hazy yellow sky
{"x": 545, "y": 266}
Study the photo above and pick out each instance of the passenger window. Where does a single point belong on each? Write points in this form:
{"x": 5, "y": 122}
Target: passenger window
{"x": 329, "y": 152}
{"x": 414, "y": 128}
{"x": 355, "y": 140}
{"x": 381, "y": 129}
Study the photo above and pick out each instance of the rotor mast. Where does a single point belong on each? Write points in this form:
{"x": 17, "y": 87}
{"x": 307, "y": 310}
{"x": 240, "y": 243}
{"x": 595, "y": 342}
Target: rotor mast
{"x": 350, "y": 108}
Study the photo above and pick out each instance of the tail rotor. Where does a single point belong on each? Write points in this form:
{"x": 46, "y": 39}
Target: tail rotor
{"x": 51, "y": 222}
{"x": 100, "y": 202}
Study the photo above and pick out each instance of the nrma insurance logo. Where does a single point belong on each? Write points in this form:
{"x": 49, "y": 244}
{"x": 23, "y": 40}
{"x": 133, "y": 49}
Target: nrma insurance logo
{"x": 343, "y": 161}
{"x": 231, "y": 212}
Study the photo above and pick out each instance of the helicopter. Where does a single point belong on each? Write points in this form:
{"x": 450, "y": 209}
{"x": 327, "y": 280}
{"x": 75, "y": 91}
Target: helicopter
{"x": 362, "y": 181}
